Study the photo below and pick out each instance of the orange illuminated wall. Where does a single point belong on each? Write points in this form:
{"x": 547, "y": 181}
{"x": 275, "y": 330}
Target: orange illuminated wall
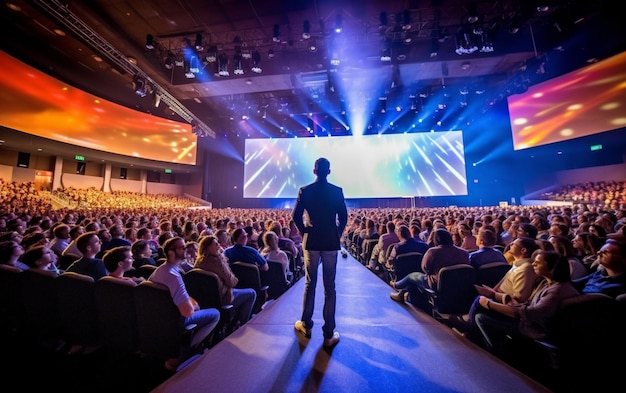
{"x": 37, "y": 104}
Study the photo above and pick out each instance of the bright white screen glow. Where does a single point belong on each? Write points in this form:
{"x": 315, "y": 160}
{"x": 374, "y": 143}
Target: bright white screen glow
{"x": 385, "y": 166}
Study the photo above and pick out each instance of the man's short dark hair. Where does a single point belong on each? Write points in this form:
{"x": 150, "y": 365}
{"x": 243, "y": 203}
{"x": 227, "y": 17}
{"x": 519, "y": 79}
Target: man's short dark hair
{"x": 322, "y": 166}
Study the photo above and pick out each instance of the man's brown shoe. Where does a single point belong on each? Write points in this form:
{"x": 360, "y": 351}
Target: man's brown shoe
{"x": 397, "y": 296}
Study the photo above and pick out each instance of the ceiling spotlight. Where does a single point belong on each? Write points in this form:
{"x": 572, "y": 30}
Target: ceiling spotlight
{"x": 199, "y": 42}
{"x": 193, "y": 65}
{"x": 238, "y": 65}
{"x": 472, "y": 13}
{"x": 256, "y": 61}
{"x": 276, "y": 37}
{"x": 169, "y": 61}
{"x": 338, "y": 23}
{"x": 306, "y": 30}
{"x": 406, "y": 20}
{"x": 188, "y": 73}
{"x": 149, "y": 41}
{"x": 139, "y": 85}
{"x": 222, "y": 65}
{"x": 385, "y": 55}
{"x": 211, "y": 55}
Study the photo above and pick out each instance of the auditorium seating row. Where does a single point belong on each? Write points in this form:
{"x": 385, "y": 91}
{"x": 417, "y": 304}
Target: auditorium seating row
{"x": 73, "y": 310}
{"x": 588, "y": 331}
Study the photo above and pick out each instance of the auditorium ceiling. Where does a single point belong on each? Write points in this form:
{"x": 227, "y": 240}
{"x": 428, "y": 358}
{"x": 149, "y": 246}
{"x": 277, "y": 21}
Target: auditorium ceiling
{"x": 414, "y": 57}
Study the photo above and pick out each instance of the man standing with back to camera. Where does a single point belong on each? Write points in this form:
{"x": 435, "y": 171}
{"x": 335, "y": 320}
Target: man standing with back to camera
{"x": 326, "y": 217}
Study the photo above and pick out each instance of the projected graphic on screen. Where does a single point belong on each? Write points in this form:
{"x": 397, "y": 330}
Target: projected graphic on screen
{"x": 581, "y": 103}
{"x": 386, "y": 166}
{"x": 37, "y": 104}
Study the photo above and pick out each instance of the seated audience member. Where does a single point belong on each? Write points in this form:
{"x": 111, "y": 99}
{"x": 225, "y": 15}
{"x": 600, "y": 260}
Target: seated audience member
{"x": 89, "y": 245}
{"x": 443, "y": 253}
{"x": 117, "y": 239}
{"x": 242, "y": 253}
{"x": 563, "y": 245}
{"x": 142, "y": 254}
{"x": 271, "y": 252}
{"x": 145, "y": 234}
{"x": 529, "y": 319}
{"x": 486, "y": 253}
{"x": 10, "y": 253}
{"x": 406, "y": 245}
{"x": 34, "y": 239}
{"x": 210, "y": 258}
{"x": 610, "y": 277}
{"x": 38, "y": 257}
{"x": 384, "y": 241}
{"x": 191, "y": 253}
{"x": 118, "y": 260}
{"x": 72, "y": 249}
{"x": 587, "y": 246}
{"x": 519, "y": 282}
{"x": 284, "y": 243}
{"x": 61, "y": 238}
{"x": 223, "y": 238}
{"x": 169, "y": 274}
{"x": 514, "y": 288}
{"x": 468, "y": 240}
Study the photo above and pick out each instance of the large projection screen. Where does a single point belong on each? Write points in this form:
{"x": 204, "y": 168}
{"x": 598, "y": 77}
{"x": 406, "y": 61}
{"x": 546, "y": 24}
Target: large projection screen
{"x": 373, "y": 166}
{"x": 37, "y": 104}
{"x": 580, "y": 103}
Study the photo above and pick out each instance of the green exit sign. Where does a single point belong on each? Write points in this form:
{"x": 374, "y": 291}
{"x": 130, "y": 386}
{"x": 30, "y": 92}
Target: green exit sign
{"x": 167, "y": 170}
{"x": 596, "y": 147}
{"x": 79, "y": 158}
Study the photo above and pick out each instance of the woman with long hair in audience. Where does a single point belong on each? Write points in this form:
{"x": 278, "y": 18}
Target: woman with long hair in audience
{"x": 272, "y": 252}
{"x": 587, "y": 246}
{"x": 211, "y": 258}
{"x": 529, "y": 319}
{"x": 564, "y": 246}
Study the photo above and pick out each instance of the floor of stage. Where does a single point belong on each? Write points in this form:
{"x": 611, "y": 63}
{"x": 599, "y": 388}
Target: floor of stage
{"x": 385, "y": 347}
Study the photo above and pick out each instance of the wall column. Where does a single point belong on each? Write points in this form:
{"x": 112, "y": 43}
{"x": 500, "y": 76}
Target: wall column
{"x": 106, "y": 187}
{"x": 58, "y": 173}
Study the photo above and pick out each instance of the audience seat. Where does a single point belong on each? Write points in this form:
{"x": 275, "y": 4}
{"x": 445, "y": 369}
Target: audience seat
{"x": 117, "y": 316}
{"x": 10, "y": 300}
{"x": 78, "y": 317}
{"x": 142, "y": 271}
{"x": 454, "y": 293}
{"x": 206, "y": 288}
{"x": 490, "y": 274}
{"x": 38, "y": 293}
{"x": 367, "y": 246}
{"x": 249, "y": 277}
{"x": 160, "y": 326}
{"x": 406, "y": 263}
{"x": 274, "y": 280}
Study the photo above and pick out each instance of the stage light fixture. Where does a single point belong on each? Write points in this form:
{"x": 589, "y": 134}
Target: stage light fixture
{"x": 222, "y": 65}
{"x": 276, "y": 37}
{"x": 338, "y": 23}
{"x": 211, "y": 55}
{"x": 306, "y": 30}
{"x": 199, "y": 42}
{"x": 149, "y": 41}
{"x": 256, "y": 62}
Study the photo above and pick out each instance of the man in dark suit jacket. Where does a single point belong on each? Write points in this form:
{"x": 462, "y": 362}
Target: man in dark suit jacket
{"x": 326, "y": 218}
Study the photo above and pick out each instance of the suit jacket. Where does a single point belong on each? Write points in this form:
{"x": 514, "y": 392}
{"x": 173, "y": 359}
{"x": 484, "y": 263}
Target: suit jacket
{"x": 327, "y": 214}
